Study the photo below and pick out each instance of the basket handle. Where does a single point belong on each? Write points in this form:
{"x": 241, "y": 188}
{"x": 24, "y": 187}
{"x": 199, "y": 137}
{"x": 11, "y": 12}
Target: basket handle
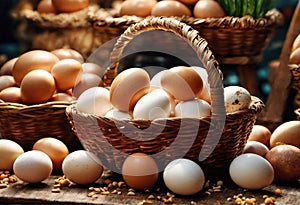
{"x": 200, "y": 46}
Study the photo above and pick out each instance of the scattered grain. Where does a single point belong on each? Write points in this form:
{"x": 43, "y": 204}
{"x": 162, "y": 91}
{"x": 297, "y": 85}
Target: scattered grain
{"x": 130, "y": 193}
{"x": 278, "y": 192}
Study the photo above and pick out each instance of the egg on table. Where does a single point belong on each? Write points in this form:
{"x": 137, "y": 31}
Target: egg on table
{"x": 184, "y": 177}
{"x": 82, "y": 167}
{"x": 54, "y": 148}
{"x": 33, "y": 166}
{"x": 251, "y": 171}
{"x": 9, "y": 152}
{"x": 140, "y": 171}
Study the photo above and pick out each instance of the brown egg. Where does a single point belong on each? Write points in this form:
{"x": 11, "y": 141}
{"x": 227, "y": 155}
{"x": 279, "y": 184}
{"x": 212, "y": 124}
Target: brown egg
{"x": 38, "y": 86}
{"x": 93, "y": 68}
{"x": 208, "y": 9}
{"x": 296, "y": 43}
{"x": 285, "y": 160}
{"x": 137, "y": 7}
{"x": 54, "y": 148}
{"x": 63, "y": 53}
{"x": 184, "y": 83}
{"x": 84, "y": 82}
{"x": 65, "y": 73}
{"x": 46, "y": 7}
{"x": 140, "y": 171}
{"x": 170, "y": 8}
{"x": 70, "y": 5}
{"x": 286, "y": 133}
{"x": 62, "y": 97}
{"x": 6, "y": 81}
{"x": 128, "y": 87}
{"x": 7, "y": 67}
{"x": 261, "y": 134}
{"x": 295, "y": 56}
{"x": 33, "y": 60}
{"x": 11, "y": 94}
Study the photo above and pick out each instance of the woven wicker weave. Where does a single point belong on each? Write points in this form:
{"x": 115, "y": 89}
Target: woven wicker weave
{"x": 107, "y": 138}
{"x": 27, "y": 124}
{"x": 233, "y": 40}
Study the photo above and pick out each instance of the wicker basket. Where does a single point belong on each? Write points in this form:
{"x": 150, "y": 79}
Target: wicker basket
{"x": 112, "y": 140}
{"x": 233, "y": 40}
{"x": 27, "y": 124}
{"x": 53, "y": 31}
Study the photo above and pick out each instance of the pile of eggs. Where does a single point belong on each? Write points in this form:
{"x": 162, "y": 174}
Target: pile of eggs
{"x": 177, "y": 92}
{"x": 196, "y": 8}
{"x": 40, "y": 76}
{"x": 58, "y": 6}
{"x": 49, "y": 155}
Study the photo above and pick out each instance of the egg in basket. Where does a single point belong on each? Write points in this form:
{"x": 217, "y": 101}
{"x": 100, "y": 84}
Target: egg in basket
{"x": 186, "y": 113}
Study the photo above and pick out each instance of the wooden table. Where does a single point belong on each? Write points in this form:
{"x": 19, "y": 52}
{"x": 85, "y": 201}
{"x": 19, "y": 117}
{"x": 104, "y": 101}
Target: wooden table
{"x": 23, "y": 193}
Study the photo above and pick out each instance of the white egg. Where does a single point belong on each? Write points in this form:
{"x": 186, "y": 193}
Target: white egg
{"x": 251, "y": 171}
{"x": 94, "y": 100}
{"x": 236, "y": 98}
{"x": 256, "y": 148}
{"x": 184, "y": 177}
{"x": 117, "y": 114}
{"x": 155, "y": 80}
{"x": 82, "y": 167}
{"x": 193, "y": 108}
{"x": 33, "y": 166}
{"x": 155, "y": 104}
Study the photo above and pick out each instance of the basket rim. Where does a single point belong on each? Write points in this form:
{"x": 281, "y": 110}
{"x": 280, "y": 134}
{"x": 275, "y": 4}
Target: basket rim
{"x": 20, "y": 106}
{"x": 110, "y": 18}
{"x": 255, "y": 107}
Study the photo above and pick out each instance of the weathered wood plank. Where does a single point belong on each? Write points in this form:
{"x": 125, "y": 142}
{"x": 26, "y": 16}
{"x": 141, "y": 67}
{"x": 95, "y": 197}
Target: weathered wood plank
{"x": 20, "y": 193}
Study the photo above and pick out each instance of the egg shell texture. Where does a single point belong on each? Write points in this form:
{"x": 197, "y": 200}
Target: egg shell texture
{"x": 33, "y": 166}
{"x": 128, "y": 87}
{"x": 183, "y": 83}
{"x": 153, "y": 105}
{"x": 9, "y": 152}
{"x": 82, "y": 167}
{"x": 251, "y": 171}
{"x": 184, "y": 177}
{"x": 38, "y": 86}
{"x": 140, "y": 171}
{"x": 236, "y": 98}
{"x": 94, "y": 101}
{"x": 33, "y": 60}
